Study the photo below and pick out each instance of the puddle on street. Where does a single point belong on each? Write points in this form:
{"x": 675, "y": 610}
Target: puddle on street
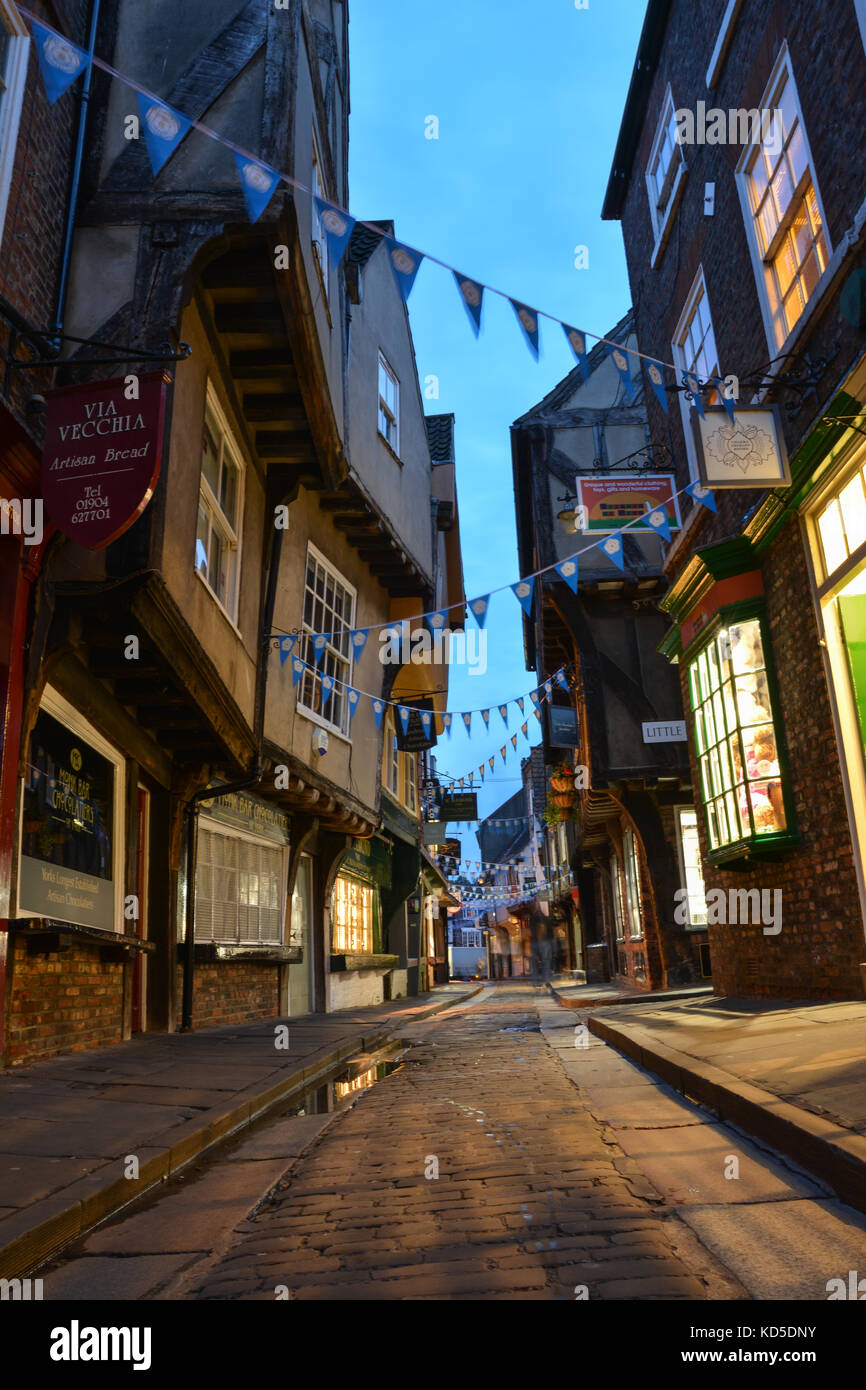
{"x": 356, "y": 1076}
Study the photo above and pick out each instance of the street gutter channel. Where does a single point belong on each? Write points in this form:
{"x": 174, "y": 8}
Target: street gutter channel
{"x": 326, "y": 1094}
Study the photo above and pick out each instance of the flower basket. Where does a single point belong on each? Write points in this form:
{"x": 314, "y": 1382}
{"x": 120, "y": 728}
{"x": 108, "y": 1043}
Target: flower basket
{"x": 563, "y": 799}
{"x": 562, "y": 782}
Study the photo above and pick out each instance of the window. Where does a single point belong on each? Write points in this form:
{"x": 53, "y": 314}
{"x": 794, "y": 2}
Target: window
{"x": 631, "y": 865}
{"x": 842, "y": 522}
{"x": 320, "y": 241}
{"x": 691, "y": 872}
{"x": 220, "y": 507}
{"x": 239, "y": 887}
{"x": 14, "y": 45}
{"x": 694, "y": 348}
{"x": 616, "y": 897}
{"x": 392, "y": 757}
{"x": 735, "y": 737}
{"x": 410, "y": 781}
{"x": 664, "y": 174}
{"x": 400, "y": 769}
{"x": 786, "y": 226}
{"x": 353, "y": 916}
{"x": 329, "y": 608}
{"x": 389, "y": 404}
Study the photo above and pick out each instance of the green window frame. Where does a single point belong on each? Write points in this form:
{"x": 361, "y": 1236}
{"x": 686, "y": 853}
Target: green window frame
{"x": 743, "y": 780}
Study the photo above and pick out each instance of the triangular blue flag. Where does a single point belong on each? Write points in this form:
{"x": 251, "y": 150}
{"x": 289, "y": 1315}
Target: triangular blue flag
{"x": 163, "y": 127}
{"x": 298, "y": 669}
{"x": 286, "y": 644}
{"x": 533, "y": 695}
{"x": 354, "y": 699}
{"x": 437, "y": 621}
{"x": 528, "y": 320}
{"x": 446, "y": 722}
{"x": 258, "y": 182}
{"x": 522, "y": 591}
{"x": 567, "y": 570}
{"x": 559, "y": 677}
{"x": 467, "y": 720}
{"x": 727, "y": 402}
{"x": 655, "y": 372}
{"x": 358, "y": 639}
{"x": 378, "y": 711}
{"x": 577, "y": 343}
{"x": 485, "y": 715}
{"x": 404, "y": 714}
{"x": 692, "y": 384}
{"x": 472, "y": 294}
{"x": 620, "y": 360}
{"x": 405, "y": 263}
{"x": 656, "y": 518}
{"x": 548, "y": 688}
{"x": 478, "y": 608}
{"x": 702, "y": 494}
{"x": 320, "y": 641}
{"x": 426, "y": 720}
{"x": 337, "y": 226}
{"x": 327, "y": 688}
{"x": 60, "y": 61}
{"x": 519, "y": 704}
{"x": 503, "y": 710}
{"x": 612, "y": 548}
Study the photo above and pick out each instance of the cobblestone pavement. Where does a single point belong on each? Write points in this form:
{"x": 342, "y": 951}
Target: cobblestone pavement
{"x": 534, "y": 1197}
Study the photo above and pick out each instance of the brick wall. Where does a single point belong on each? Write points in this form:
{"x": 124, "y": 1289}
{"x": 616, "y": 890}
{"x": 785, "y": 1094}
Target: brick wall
{"x": 816, "y": 954}
{"x": 64, "y": 1001}
{"x": 232, "y": 992}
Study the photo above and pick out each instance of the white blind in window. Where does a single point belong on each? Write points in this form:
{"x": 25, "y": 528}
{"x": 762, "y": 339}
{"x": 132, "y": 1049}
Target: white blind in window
{"x": 239, "y": 889}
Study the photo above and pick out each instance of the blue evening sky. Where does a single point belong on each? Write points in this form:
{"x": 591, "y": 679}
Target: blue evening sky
{"x": 529, "y": 99}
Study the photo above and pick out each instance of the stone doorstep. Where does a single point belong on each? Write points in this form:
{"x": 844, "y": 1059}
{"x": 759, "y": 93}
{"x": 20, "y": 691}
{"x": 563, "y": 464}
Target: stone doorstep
{"x": 34, "y": 1234}
{"x": 832, "y": 1154}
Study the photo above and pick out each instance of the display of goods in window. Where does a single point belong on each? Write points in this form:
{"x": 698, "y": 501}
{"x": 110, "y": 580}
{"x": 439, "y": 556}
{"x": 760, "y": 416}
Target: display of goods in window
{"x": 736, "y": 737}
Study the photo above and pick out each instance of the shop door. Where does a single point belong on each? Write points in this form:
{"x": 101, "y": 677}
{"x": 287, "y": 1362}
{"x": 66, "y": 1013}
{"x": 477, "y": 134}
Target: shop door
{"x": 141, "y": 856}
{"x": 301, "y": 974}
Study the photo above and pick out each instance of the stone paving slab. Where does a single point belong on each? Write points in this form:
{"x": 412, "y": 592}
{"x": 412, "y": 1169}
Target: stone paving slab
{"x": 77, "y": 1108}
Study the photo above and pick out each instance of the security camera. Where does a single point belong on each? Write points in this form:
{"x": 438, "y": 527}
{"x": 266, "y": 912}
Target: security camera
{"x": 320, "y": 742}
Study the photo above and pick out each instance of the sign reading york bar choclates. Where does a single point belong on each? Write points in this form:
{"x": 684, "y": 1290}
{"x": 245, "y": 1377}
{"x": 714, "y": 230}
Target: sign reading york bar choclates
{"x": 102, "y": 455}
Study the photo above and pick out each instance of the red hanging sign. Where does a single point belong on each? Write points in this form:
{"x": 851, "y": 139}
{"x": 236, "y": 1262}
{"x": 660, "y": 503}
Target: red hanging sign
{"x": 102, "y": 455}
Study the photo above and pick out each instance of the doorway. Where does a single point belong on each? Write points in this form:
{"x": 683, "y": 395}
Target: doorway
{"x": 301, "y": 973}
{"x": 139, "y": 964}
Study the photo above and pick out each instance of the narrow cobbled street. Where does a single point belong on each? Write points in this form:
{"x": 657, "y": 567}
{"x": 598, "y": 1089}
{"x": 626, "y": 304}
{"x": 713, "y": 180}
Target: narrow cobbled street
{"x": 499, "y": 1161}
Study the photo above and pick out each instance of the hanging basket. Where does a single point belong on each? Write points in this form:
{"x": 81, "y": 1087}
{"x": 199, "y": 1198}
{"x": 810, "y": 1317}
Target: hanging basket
{"x": 562, "y": 782}
{"x": 563, "y": 799}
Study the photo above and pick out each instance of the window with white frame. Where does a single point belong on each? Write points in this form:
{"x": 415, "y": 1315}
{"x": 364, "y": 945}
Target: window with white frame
{"x": 410, "y": 781}
{"x": 220, "y": 509}
{"x": 320, "y": 241}
{"x": 14, "y": 46}
{"x": 631, "y": 875}
{"x": 392, "y": 757}
{"x": 694, "y": 349}
{"x": 239, "y": 887}
{"x": 329, "y": 609}
{"x": 389, "y": 404}
{"x": 664, "y": 172}
{"x": 785, "y": 223}
{"x": 691, "y": 870}
{"x": 400, "y": 770}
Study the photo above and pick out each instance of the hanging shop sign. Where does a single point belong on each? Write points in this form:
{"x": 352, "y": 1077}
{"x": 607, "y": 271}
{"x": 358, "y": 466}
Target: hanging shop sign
{"x": 419, "y": 734}
{"x": 433, "y": 833}
{"x": 248, "y": 813}
{"x": 101, "y": 457}
{"x": 612, "y": 502}
{"x": 746, "y": 452}
{"x": 67, "y": 829}
{"x": 562, "y": 725}
{"x": 458, "y": 806}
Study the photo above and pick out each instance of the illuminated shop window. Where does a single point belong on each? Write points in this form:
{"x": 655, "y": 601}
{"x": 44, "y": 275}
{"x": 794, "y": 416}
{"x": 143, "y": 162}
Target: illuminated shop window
{"x": 353, "y": 916}
{"x": 741, "y": 781}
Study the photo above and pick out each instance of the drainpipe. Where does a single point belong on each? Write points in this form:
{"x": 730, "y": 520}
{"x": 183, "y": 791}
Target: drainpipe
{"x": 76, "y": 176}
{"x": 270, "y": 574}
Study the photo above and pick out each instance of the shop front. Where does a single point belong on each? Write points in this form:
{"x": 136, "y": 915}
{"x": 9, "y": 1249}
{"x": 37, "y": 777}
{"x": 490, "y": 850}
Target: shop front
{"x": 79, "y": 926}
{"x": 358, "y": 964}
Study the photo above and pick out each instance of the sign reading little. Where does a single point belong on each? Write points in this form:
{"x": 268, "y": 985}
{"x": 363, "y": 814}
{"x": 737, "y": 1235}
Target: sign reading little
{"x": 672, "y": 732}
{"x": 102, "y": 455}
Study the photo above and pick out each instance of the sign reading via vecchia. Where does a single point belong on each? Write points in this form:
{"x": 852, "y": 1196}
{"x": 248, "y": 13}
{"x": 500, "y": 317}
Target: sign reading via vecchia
{"x": 102, "y": 456}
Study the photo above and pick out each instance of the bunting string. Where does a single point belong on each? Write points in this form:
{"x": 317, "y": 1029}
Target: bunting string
{"x": 61, "y": 62}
